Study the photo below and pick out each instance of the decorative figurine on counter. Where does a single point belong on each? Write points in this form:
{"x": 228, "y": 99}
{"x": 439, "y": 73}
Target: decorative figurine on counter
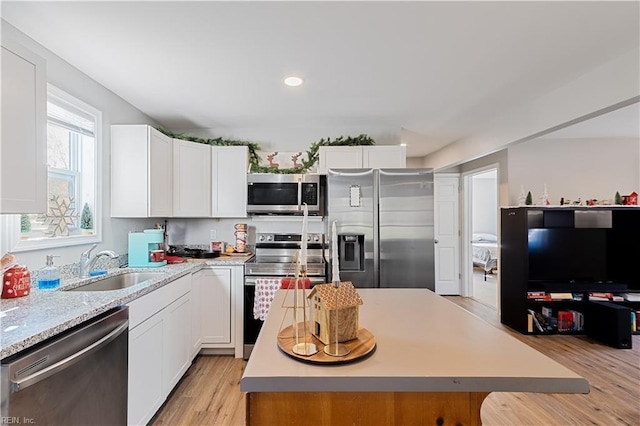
{"x": 544, "y": 198}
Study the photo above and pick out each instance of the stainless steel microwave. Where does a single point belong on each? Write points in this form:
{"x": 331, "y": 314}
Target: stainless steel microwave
{"x": 270, "y": 193}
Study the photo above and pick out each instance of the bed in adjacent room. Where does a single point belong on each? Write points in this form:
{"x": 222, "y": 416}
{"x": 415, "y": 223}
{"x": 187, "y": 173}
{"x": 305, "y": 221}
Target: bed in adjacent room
{"x": 485, "y": 252}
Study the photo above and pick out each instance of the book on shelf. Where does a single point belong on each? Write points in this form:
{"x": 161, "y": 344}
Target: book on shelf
{"x": 634, "y": 324}
{"x": 561, "y": 296}
{"x": 631, "y": 297}
{"x": 596, "y": 295}
{"x": 565, "y": 321}
{"x": 536, "y": 294}
{"x": 541, "y": 323}
{"x": 535, "y": 320}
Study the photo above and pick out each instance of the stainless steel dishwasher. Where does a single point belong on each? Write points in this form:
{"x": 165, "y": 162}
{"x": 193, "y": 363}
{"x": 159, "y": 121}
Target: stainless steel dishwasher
{"x": 76, "y": 378}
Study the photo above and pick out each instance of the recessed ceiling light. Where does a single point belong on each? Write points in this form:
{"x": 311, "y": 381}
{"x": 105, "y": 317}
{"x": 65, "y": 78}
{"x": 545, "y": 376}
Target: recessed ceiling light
{"x": 293, "y": 81}
{"x": 403, "y": 144}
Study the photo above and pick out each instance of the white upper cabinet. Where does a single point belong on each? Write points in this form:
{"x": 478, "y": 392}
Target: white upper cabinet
{"x": 191, "y": 179}
{"x": 339, "y": 157}
{"x": 229, "y": 165}
{"x": 355, "y": 157}
{"x": 141, "y": 172}
{"x": 23, "y": 171}
{"x": 384, "y": 157}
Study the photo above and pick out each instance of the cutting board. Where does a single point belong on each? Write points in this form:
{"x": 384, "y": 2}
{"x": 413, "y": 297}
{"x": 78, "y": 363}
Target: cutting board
{"x": 248, "y": 253}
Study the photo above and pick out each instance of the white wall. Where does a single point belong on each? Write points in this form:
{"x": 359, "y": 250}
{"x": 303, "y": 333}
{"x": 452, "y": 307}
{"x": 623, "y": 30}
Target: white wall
{"x": 611, "y": 85}
{"x": 114, "y": 111}
{"x": 572, "y": 168}
{"x": 484, "y": 216}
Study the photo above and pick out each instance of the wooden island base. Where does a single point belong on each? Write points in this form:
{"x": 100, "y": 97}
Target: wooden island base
{"x": 364, "y": 408}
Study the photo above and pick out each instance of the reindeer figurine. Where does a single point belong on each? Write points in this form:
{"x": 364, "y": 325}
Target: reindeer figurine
{"x": 294, "y": 158}
{"x": 270, "y": 158}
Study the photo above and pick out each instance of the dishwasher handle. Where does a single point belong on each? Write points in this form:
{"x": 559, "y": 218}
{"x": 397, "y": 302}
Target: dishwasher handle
{"x": 32, "y": 379}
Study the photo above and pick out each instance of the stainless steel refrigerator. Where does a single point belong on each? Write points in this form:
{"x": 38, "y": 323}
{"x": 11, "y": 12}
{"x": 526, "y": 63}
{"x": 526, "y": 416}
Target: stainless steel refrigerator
{"x": 384, "y": 225}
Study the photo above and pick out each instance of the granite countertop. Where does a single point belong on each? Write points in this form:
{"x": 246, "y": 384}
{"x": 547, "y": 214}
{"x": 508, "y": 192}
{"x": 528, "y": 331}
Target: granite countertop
{"x": 26, "y": 321}
{"x": 424, "y": 343}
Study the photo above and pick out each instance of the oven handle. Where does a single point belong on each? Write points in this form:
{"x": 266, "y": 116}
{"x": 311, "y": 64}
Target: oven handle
{"x": 251, "y": 281}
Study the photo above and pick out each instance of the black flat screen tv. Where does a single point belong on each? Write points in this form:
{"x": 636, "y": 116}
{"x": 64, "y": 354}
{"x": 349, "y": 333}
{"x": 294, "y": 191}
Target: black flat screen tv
{"x": 567, "y": 255}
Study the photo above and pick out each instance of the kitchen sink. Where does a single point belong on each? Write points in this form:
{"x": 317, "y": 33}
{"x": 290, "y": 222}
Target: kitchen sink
{"x": 119, "y": 282}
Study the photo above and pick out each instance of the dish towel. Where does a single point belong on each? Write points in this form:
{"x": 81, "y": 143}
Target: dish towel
{"x": 265, "y": 291}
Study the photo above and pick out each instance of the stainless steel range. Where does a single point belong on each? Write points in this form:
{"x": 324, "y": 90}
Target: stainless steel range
{"x": 275, "y": 256}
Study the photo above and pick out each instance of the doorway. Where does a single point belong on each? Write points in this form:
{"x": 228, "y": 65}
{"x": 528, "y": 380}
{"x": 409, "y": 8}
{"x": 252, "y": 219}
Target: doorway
{"x": 480, "y": 217}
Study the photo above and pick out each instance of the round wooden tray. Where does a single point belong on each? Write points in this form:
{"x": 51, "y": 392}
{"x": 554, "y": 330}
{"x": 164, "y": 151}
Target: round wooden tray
{"x": 360, "y": 348}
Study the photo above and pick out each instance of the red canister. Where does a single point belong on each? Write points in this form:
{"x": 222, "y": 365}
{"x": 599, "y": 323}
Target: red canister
{"x": 16, "y": 282}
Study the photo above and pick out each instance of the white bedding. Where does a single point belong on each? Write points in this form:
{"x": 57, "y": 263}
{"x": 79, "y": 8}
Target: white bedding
{"x": 485, "y": 254}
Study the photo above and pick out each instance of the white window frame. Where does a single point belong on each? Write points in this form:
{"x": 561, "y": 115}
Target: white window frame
{"x": 10, "y": 224}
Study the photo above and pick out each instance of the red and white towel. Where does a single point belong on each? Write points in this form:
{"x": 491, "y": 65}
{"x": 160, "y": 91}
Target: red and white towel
{"x": 265, "y": 291}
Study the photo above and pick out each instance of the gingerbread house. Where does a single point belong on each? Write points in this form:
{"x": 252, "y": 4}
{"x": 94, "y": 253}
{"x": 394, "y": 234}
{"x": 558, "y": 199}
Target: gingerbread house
{"x": 325, "y": 313}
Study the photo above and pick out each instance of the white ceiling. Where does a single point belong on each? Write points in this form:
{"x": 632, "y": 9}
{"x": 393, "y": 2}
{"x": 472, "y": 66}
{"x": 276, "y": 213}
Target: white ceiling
{"x": 437, "y": 70}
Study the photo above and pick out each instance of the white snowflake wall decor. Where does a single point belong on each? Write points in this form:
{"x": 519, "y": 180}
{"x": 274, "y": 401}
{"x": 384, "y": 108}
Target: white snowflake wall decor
{"x": 61, "y": 215}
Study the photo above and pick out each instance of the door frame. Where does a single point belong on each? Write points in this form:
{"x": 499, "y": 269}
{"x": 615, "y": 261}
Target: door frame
{"x": 466, "y": 267}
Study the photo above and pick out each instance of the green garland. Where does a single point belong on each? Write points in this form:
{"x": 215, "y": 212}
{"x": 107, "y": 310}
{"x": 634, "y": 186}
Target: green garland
{"x": 254, "y": 158}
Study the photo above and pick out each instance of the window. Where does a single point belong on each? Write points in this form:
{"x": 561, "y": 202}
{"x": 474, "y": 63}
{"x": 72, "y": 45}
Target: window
{"x": 73, "y": 144}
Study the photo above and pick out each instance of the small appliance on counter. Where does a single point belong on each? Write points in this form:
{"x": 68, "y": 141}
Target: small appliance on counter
{"x": 144, "y": 251}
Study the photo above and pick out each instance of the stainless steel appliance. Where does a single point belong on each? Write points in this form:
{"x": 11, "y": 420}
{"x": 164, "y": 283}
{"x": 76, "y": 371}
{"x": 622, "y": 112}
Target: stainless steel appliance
{"x": 274, "y": 258}
{"x": 385, "y": 225}
{"x": 76, "y": 378}
{"x": 271, "y": 193}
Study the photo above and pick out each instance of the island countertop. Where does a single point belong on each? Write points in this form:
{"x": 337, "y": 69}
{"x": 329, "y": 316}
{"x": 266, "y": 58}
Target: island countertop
{"x": 425, "y": 343}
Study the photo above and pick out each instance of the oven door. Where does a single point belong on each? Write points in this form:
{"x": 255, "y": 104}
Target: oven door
{"x": 252, "y": 326}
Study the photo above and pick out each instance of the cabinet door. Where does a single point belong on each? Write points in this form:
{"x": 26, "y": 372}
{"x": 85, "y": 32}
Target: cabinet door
{"x": 196, "y": 313}
{"x": 381, "y": 157}
{"x": 216, "y": 306}
{"x": 23, "y": 171}
{"x": 339, "y": 157}
{"x": 191, "y": 179}
{"x": 145, "y": 390}
{"x": 160, "y": 174}
{"x": 177, "y": 342}
{"x": 229, "y": 166}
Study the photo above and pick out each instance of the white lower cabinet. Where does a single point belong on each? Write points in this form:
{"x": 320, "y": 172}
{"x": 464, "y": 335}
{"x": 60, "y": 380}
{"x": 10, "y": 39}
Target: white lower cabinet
{"x": 177, "y": 342}
{"x": 169, "y": 326}
{"x": 216, "y": 306}
{"x": 159, "y": 347}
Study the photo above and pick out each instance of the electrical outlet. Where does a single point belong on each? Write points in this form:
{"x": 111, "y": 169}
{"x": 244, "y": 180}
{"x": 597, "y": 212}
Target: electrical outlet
{"x": 212, "y": 234}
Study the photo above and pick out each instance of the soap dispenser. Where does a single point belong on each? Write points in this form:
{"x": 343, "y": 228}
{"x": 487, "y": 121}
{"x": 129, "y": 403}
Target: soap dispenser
{"x": 49, "y": 276}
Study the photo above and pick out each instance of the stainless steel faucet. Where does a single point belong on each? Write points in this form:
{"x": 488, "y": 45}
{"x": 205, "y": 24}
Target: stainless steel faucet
{"x": 87, "y": 262}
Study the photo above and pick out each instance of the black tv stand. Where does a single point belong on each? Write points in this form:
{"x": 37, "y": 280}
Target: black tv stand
{"x": 543, "y": 249}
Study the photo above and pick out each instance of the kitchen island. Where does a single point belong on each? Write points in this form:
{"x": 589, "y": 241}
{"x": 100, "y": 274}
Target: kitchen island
{"x": 434, "y": 363}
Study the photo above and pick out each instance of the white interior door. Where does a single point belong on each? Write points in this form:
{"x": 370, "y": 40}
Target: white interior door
{"x": 447, "y": 234}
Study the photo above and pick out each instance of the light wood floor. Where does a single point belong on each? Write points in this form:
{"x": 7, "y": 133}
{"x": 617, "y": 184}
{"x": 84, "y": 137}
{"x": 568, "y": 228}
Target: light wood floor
{"x": 209, "y": 394}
